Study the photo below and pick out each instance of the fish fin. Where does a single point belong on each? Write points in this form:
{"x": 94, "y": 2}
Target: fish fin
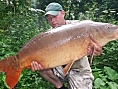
{"x": 12, "y": 72}
{"x": 67, "y": 67}
{"x": 94, "y": 44}
{"x": 12, "y": 77}
{"x": 91, "y": 56}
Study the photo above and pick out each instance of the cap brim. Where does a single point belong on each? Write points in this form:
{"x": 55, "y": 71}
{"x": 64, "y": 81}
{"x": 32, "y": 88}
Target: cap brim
{"x": 52, "y": 13}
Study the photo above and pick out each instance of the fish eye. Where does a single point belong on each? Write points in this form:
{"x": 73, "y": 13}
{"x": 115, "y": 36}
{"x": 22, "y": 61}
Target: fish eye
{"x": 108, "y": 27}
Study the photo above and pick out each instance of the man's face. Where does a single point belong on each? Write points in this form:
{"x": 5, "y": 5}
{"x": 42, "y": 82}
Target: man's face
{"x": 56, "y": 21}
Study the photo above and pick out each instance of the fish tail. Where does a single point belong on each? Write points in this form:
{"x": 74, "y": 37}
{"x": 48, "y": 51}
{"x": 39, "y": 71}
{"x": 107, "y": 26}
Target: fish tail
{"x": 12, "y": 71}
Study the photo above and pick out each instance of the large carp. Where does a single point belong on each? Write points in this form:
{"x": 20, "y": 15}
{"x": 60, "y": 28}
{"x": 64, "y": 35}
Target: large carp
{"x": 59, "y": 46}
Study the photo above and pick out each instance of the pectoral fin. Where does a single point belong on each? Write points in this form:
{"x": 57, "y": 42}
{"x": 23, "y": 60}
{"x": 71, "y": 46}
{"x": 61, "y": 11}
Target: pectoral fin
{"x": 91, "y": 56}
{"x": 94, "y": 44}
{"x": 68, "y": 66}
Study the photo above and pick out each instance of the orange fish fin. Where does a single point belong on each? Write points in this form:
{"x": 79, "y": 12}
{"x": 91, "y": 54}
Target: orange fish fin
{"x": 12, "y": 77}
{"x": 68, "y": 66}
{"x": 91, "y": 56}
{"x": 12, "y": 71}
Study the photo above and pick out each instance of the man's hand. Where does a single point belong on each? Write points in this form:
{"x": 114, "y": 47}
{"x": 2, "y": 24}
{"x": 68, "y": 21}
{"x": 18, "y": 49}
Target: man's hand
{"x": 97, "y": 50}
{"x": 35, "y": 66}
{"x": 94, "y": 51}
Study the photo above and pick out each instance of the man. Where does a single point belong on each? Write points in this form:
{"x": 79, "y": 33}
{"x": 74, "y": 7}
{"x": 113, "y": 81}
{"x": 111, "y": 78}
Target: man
{"x": 80, "y": 75}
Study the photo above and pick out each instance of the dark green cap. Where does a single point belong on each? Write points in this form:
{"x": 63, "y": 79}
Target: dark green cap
{"x": 53, "y": 9}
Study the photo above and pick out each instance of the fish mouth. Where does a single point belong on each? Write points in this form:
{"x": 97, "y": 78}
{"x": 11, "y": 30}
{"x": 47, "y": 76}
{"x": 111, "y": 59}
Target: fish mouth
{"x": 116, "y": 33}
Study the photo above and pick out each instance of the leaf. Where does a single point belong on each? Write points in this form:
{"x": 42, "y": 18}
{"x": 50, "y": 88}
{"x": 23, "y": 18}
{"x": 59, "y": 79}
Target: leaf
{"x": 102, "y": 87}
{"x": 103, "y": 77}
{"x": 112, "y": 74}
{"x": 99, "y": 82}
{"x": 113, "y": 85}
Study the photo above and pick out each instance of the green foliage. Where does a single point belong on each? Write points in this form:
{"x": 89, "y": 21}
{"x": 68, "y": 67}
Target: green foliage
{"x": 106, "y": 78}
{"x": 16, "y": 28}
{"x": 18, "y": 24}
{"x": 32, "y": 80}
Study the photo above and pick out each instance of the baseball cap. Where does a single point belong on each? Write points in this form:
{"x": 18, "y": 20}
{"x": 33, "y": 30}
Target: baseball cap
{"x": 53, "y": 9}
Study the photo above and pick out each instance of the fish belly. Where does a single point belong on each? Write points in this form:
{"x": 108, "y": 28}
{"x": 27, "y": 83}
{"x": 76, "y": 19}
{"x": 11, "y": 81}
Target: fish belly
{"x": 61, "y": 55}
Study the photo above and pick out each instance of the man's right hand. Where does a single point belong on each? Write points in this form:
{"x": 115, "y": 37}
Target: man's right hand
{"x": 35, "y": 66}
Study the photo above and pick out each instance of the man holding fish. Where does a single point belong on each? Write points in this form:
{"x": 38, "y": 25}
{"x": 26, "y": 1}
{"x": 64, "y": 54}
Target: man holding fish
{"x": 80, "y": 75}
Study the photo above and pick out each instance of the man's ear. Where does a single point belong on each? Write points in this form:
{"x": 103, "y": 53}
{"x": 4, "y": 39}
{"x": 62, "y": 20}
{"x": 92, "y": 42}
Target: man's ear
{"x": 63, "y": 13}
